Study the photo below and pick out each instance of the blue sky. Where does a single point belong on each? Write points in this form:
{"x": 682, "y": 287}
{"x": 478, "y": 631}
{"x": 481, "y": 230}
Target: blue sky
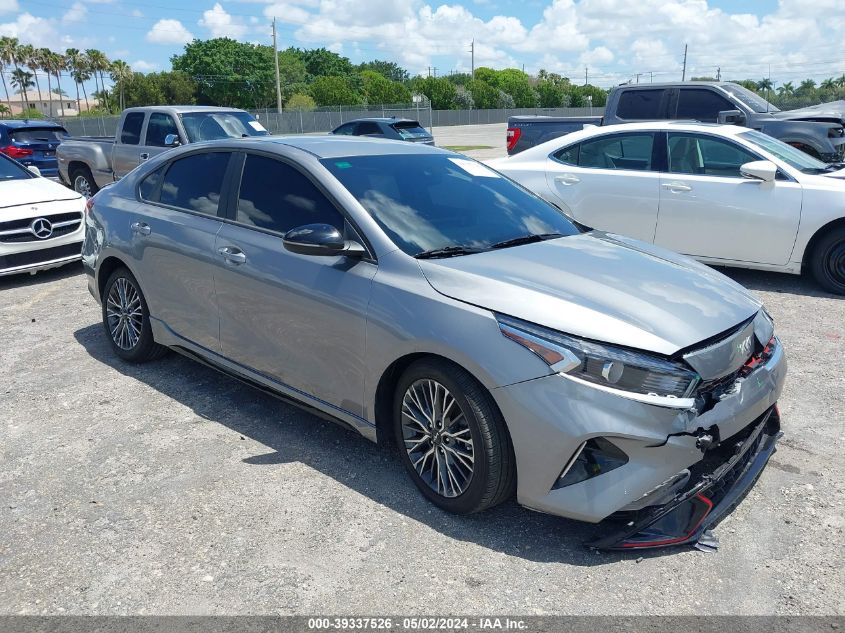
{"x": 614, "y": 39}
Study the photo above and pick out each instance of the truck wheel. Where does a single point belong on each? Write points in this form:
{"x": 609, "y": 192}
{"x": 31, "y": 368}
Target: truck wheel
{"x": 83, "y": 182}
{"x": 828, "y": 261}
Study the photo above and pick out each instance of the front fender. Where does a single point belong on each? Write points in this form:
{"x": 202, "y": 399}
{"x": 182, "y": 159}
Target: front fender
{"x": 811, "y": 134}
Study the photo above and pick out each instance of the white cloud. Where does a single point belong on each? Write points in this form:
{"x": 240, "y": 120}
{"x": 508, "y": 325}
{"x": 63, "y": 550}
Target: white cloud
{"x": 76, "y": 13}
{"x": 143, "y": 67}
{"x": 39, "y": 32}
{"x": 137, "y": 14}
{"x": 221, "y": 24}
{"x": 7, "y": 6}
{"x": 169, "y": 32}
{"x": 288, "y": 12}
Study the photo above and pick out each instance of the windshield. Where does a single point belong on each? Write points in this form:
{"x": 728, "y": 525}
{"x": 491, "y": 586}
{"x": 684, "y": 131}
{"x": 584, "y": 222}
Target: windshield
{"x": 10, "y": 170}
{"x": 790, "y": 155}
{"x": 410, "y": 129}
{"x": 427, "y": 202}
{"x": 751, "y": 99}
{"x": 211, "y": 126}
{"x": 35, "y": 135}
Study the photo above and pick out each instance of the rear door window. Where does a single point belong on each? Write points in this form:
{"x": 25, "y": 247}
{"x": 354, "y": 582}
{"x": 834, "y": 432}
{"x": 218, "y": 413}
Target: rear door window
{"x": 346, "y": 129}
{"x": 619, "y": 151}
{"x": 368, "y": 128}
{"x": 158, "y": 127}
{"x": 277, "y": 197}
{"x": 194, "y": 183}
{"x": 641, "y": 105}
{"x": 131, "y": 132}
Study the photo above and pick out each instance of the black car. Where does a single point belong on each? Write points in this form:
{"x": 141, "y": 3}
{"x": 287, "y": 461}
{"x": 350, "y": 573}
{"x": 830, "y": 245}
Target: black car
{"x": 386, "y": 127}
{"x": 32, "y": 143}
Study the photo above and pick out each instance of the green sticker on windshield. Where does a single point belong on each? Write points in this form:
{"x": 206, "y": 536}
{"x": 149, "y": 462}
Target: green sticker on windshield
{"x": 343, "y": 164}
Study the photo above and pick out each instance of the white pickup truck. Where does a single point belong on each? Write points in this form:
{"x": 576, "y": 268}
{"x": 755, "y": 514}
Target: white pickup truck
{"x": 88, "y": 163}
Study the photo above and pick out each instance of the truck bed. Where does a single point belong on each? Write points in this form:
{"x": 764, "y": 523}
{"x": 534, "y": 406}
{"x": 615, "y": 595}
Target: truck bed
{"x": 526, "y": 131}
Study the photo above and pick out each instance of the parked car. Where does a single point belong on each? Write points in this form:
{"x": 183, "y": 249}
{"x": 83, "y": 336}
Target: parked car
{"x": 817, "y": 131}
{"x": 392, "y": 128}
{"x": 724, "y": 194}
{"x": 415, "y": 294}
{"x": 40, "y": 221}
{"x": 88, "y": 163}
{"x": 32, "y": 143}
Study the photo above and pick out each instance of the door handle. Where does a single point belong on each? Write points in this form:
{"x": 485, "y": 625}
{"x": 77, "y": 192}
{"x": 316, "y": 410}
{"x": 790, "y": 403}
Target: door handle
{"x": 145, "y": 155}
{"x": 677, "y": 187}
{"x": 568, "y": 179}
{"x": 232, "y": 255}
{"x": 141, "y": 228}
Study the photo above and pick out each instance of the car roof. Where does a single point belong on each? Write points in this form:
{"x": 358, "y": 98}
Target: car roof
{"x": 676, "y": 84}
{"x": 379, "y": 119}
{"x": 332, "y": 146}
{"x": 182, "y": 109}
{"x": 33, "y": 123}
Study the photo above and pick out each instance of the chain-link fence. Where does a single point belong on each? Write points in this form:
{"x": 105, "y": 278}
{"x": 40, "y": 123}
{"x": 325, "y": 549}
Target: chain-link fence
{"x": 324, "y": 120}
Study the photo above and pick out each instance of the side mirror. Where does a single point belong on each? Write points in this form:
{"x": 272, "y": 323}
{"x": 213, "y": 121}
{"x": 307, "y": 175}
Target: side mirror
{"x": 172, "y": 140}
{"x": 763, "y": 170}
{"x": 320, "y": 239}
{"x": 34, "y": 170}
{"x": 731, "y": 117}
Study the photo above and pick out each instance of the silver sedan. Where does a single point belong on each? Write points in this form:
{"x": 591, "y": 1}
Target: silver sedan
{"x": 422, "y": 299}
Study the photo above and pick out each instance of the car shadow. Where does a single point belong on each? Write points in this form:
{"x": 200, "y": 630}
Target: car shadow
{"x": 43, "y": 277}
{"x": 765, "y": 281}
{"x": 292, "y": 435}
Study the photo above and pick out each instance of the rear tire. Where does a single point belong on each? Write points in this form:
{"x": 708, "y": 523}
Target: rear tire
{"x": 82, "y": 181}
{"x": 126, "y": 319}
{"x": 827, "y": 261}
{"x": 452, "y": 438}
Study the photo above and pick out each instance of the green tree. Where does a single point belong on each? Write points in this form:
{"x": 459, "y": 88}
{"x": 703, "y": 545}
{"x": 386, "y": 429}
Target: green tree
{"x": 517, "y": 84}
{"x": 378, "y": 89}
{"x": 551, "y": 94}
{"x": 807, "y": 88}
{"x": 301, "y": 102}
{"x": 323, "y": 62}
{"x": 6, "y": 46}
{"x": 99, "y": 63}
{"x": 22, "y": 79}
{"x": 334, "y": 91}
{"x": 388, "y": 70}
{"x": 44, "y": 55}
{"x": 787, "y": 89}
{"x": 77, "y": 64}
{"x": 120, "y": 74}
{"x": 439, "y": 90}
{"x": 483, "y": 94}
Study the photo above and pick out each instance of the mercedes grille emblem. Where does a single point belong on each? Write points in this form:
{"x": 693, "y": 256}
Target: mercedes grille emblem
{"x": 41, "y": 228}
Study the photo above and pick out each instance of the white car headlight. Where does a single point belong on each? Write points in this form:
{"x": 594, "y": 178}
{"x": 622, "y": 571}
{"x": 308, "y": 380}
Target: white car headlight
{"x": 602, "y": 364}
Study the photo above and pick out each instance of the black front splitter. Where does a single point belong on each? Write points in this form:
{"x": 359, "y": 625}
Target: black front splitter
{"x": 699, "y": 507}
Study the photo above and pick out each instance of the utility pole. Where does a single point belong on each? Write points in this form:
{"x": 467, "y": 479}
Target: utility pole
{"x": 276, "y": 59}
{"x": 472, "y": 53}
{"x": 651, "y": 72}
{"x": 684, "y": 75}
{"x": 586, "y": 76}
{"x": 638, "y": 77}
{"x": 719, "y": 73}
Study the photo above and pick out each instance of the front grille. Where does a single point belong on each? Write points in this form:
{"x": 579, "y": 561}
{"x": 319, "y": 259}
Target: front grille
{"x": 44, "y": 255}
{"x": 17, "y": 231}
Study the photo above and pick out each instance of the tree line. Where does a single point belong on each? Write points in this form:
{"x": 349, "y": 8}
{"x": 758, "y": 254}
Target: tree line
{"x": 225, "y": 72}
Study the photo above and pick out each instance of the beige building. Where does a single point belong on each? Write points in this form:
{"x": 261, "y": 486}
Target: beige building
{"x": 48, "y": 105}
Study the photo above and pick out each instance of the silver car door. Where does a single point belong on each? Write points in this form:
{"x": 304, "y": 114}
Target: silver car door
{"x": 297, "y": 319}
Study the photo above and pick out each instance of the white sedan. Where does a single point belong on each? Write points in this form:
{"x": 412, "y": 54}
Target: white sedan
{"x": 723, "y": 194}
{"x": 41, "y": 222}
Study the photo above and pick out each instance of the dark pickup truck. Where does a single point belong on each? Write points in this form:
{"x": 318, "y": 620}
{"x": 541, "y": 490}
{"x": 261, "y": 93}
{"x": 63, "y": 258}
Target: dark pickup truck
{"x": 817, "y": 130}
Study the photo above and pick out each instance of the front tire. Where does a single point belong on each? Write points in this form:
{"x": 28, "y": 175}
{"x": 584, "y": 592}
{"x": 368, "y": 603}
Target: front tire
{"x": 827, "y": 261}
{"x": 126, "y": 319}
{"x": 452, "y": 438}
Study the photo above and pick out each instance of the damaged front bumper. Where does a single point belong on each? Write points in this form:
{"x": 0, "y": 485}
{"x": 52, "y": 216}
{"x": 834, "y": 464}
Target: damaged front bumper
{"x": 716, "y": 485}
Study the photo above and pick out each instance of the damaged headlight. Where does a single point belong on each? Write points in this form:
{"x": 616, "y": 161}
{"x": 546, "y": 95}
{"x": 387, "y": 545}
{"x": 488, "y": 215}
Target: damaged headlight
{"x": 601, "y": 364}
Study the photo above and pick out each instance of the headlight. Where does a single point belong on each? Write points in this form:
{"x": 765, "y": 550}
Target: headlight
{"x": 602, "y": 364}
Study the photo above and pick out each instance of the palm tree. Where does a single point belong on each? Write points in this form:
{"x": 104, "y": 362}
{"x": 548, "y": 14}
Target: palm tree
{"x": 828, "y": 84}
{"x": 841, "y": 81}
{"x": 29, "y": 57}
{"x": 5, "y": 59}
{"x": 44, "y": 65}
{"x": 765, "y": 84}
{"x": 787, "y": 89}
{"x": 58, "y": 63}
{"x": 99, "y": 63}
{"x": 76, "y": 64}
{"x": 120, "y": 74}
{"x": 11, "y": 55}
{"x": 4, "y": 110}
{"x": 807, "y": 87}
{"x": 22, "y": 79}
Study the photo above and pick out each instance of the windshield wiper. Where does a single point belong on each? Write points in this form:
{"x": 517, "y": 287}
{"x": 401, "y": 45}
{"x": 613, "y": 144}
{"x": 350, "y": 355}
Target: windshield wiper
{"x": 448, "y": 251}
{"x": 526, "y": 239}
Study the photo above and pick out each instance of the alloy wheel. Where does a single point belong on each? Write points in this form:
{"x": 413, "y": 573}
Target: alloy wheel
{"x": 437, "y": 437}
{"x": 82, "y": 186}
{"x": 124, "y": 313}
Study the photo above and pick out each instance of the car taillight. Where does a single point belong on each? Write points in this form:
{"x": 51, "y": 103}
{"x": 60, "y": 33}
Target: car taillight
{"x": 513, "y": 136}
{"x": 15, "y": 152}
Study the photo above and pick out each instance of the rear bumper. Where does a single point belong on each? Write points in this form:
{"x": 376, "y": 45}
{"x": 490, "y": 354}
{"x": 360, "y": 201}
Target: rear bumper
{"x": 717, "y": 485}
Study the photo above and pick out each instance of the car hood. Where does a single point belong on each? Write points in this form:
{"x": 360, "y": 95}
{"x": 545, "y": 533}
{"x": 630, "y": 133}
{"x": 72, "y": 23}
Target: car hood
{"x": 33, "y": 191}
{"x": 602, "y": 287}
{"x": 832, "y": 110}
